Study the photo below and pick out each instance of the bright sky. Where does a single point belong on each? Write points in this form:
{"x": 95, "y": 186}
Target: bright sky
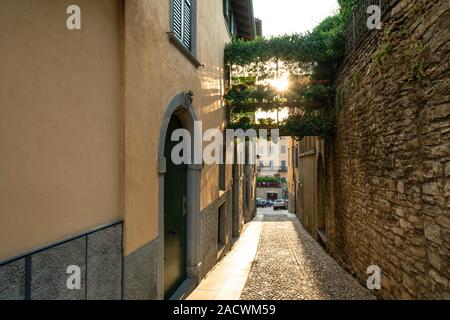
{"x": 292, "y": 16}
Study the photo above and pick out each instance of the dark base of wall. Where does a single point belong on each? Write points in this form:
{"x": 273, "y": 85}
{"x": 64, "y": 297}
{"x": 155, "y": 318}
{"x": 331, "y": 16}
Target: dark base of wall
{"x": 105, "y": 273}
{"x": 12, "y": 280}
{"x": 209, "y": 232}
{"x": 42, "y": 275}
{"x": 141, "y": 273}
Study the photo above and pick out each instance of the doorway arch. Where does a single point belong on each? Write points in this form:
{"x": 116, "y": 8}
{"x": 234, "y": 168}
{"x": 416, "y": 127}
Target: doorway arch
{"x": 180, "y": 108}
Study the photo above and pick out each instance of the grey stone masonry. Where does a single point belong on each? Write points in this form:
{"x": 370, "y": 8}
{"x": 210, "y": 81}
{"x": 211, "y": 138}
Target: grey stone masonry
{"x": 104, "y": 264}
{"x": 43, "y": 273}
{"x": 141, "y": 273}
{"x": 388, "y": 175}
{"x": 49, "y": 271}
{"x": 12, "y": 280}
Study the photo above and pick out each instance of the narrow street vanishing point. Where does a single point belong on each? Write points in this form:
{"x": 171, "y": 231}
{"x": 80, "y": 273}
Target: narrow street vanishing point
{"x": 286, "y": 264}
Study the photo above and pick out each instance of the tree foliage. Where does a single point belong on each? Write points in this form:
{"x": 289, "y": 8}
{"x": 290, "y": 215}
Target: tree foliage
{"x": 324, "y": 43}
{"x": 347, "y": 7}
{"x": 251, "y": 96}
{"x": 316, "y": 54}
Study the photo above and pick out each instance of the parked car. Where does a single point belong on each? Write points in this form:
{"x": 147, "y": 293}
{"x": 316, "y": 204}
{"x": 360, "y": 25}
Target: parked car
{"x": 261, "y": 203}
{"x": 279, "y": 204}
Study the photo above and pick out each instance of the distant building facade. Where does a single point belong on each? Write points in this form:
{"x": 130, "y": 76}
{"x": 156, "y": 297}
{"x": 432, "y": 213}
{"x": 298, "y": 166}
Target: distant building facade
{"x": 273, "y": 162}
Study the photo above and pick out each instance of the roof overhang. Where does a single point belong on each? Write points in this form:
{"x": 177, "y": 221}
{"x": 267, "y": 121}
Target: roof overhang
{"x": 245, "y": 19}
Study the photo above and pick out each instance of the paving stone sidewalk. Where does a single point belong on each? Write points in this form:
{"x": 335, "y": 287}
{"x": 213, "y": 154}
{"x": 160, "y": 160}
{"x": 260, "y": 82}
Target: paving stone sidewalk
{"x": 291, "y": 265}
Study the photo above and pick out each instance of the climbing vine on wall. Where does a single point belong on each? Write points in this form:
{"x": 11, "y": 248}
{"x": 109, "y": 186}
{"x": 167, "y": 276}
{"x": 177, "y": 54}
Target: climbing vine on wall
{"x": 307, "y": 60}
{"x": 312, "y": 111}
{"x": 250, "y": 96}
{"x": 323, "y": 44}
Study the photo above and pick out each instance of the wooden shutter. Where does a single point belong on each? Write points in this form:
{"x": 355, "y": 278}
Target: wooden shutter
{"x": 187, "y": 24}
{"x": 182, "y": 22}
{"x": 178, "y": 19}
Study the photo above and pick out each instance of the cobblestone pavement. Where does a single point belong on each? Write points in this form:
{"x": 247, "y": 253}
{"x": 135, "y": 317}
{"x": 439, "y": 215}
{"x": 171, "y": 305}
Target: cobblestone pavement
{"x": 291, "y": 265}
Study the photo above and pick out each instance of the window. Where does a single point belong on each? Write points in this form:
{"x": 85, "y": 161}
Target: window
{"x": 226, "y": 8}
{"x": 229, "y": 18}
{"x": 221, "y": 231}
{"x": 222, "y": 168}
{"x": 283, "y": 164}
{"x": 296, "y": 157}
{"x": 283, "y": 149}
{"x": 182, "y": 22}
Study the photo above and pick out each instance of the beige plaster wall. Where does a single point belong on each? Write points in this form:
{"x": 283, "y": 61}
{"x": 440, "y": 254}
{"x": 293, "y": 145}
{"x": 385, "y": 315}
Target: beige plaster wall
{"x": 156, "y": 71}
{"x": 60, "y": 121}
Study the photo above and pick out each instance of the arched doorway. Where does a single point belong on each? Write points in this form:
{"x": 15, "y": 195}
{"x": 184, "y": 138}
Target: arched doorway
{"x": 179, "y": 205}
{"x": 321, "y": 229}
{"x": 175, "y": 215}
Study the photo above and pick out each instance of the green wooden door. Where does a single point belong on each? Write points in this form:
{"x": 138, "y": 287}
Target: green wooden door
{"x": 174, "y": 217}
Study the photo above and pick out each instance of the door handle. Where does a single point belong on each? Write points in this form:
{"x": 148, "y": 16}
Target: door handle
{"x": 173, "y": 232}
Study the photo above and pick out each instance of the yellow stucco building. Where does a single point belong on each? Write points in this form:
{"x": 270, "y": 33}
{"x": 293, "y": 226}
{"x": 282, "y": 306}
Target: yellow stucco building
{"x": 85, "y": 120}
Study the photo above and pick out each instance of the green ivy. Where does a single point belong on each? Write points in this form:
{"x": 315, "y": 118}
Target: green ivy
{"x": 245, "y": 98}
{"x": 417, "y": 53}
{"x": 270, "y": 179}
{"x": 324, "y": 43}
{"x": 381, "y": 55}
{"x": 347, "y": 7}
{"x": 309, "y": 124}
{"x": 316, "y": 103}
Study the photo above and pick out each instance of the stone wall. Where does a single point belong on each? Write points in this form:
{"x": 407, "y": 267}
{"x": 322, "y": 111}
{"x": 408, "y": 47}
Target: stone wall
{"x": 42, "y": 274}
{"x": 389, "y": 172}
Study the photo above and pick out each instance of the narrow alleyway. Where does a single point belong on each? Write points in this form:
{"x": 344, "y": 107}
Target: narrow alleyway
{"x": 288, "y": 264}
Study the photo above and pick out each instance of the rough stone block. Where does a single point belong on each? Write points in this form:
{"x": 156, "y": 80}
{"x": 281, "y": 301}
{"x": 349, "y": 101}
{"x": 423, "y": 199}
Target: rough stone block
{"x": 49, "y": 271}
{"x": 434, "y": 259}
{"x": 12, "y": 280}
{"x": 141, "y": 273}
{"x": 433, "y": 233}
{"x": 104, "y": 264}
{"x": 431, "y": 188}
{"x": 400, "y": 187}
{"x": 447, "y": 189}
